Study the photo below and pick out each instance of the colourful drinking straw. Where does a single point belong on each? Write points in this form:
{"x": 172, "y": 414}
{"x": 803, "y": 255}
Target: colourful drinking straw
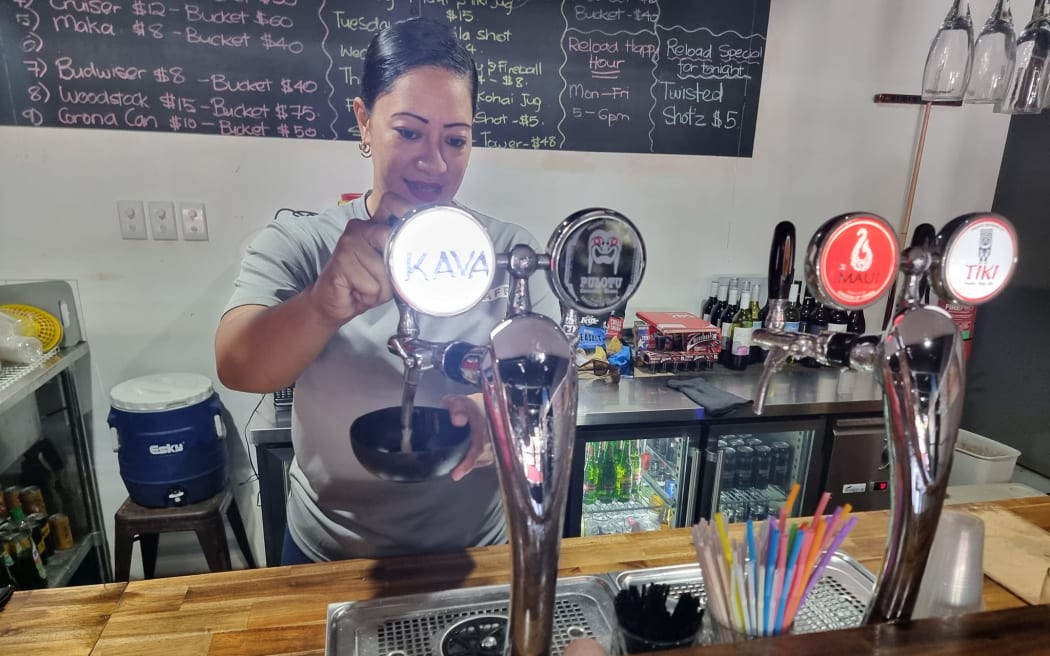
{"x": 781, "y": 606}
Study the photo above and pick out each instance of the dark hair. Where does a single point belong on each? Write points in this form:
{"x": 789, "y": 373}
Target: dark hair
{"x": 409, "y": 44}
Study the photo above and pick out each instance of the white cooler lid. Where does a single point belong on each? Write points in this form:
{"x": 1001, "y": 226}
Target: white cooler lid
{"x": 161, "y": 392}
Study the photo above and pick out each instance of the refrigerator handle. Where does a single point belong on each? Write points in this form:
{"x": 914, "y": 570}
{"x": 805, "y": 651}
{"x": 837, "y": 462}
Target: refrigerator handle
{"x": 713, "y": 466}
{"x": 694, "y": 484}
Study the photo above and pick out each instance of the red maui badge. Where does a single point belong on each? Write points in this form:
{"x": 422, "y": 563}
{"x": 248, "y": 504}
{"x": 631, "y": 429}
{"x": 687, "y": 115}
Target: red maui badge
{"x": 858, "y": 262}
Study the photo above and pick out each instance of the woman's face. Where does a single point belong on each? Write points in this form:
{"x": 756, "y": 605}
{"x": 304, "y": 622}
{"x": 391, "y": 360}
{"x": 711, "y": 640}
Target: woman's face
{"x": 420, "y": 134}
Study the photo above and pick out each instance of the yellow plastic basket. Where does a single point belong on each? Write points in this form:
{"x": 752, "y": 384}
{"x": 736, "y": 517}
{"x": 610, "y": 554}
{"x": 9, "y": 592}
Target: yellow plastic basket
{"x": 44, "y": 325}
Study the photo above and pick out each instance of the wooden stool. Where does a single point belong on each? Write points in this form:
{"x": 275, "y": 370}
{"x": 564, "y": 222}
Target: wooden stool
{"x": 135, "y": 522}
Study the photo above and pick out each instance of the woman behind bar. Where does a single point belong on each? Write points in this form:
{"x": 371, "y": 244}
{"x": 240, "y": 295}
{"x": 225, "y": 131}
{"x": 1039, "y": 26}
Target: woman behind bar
{"x": 312, "y": 305}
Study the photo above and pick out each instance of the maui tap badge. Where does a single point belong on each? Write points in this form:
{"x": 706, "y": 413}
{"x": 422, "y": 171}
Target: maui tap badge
{"x": 597, "y": 260}
{"x": 441, "y": 260}
{"x": 853, "y": 258}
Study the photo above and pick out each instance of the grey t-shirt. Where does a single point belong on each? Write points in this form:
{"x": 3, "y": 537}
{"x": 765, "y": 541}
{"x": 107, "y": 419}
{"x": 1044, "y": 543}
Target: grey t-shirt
{"x": 336, "y": 509}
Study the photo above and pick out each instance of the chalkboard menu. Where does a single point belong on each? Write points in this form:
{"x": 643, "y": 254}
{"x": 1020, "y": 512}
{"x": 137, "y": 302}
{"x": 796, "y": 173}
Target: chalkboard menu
{"x": 640, "y": 76}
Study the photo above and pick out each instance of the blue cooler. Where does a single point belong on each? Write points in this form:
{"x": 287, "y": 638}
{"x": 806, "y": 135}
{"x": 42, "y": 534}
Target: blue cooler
{"x": 170, "y": 439}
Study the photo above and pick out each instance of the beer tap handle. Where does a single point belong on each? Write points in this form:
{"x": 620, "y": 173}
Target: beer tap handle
{"x": 915, "y": 265}
{"x": 521, "y": 262}
{"x": 781, "y": 273}
{"x": 926, "y": 237}
{"x": 780, "y": 345}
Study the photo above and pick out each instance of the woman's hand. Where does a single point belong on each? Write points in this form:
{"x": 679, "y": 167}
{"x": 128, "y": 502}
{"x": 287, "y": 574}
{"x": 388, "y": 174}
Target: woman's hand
{"x": 355, "y": 279}
{"x": 470, "y": 411}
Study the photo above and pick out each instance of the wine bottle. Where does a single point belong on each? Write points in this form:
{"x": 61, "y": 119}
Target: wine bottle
{"x": 818, "y": 323}
{"x": 740, "y": 349}
{"x": 837, "y": 320}
{"x": 806, "y": 311}
{"x": 758, "y": 317}
{"x": 793, "y": 311}
{"x": 720, "y": 304}
{"x": 725, "y": 324}
{"x": 856, "y": 323}
{"x": 709, "y": 304}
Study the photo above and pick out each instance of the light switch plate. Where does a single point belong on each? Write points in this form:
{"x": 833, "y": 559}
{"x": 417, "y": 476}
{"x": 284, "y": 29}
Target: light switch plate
{"x": 132, "y": 219}
{"x": 162, "y": 223}
{"x": 194, "y": 221}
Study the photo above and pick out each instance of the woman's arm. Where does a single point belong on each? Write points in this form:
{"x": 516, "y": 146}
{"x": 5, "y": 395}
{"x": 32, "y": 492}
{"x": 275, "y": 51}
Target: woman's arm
{"x": 261, "y": 349}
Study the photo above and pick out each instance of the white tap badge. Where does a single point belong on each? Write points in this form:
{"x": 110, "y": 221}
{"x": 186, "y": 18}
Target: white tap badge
{"x": 597, "y": 260}
{"x": 441, "y": 261}
{"x": 979, "y": 259}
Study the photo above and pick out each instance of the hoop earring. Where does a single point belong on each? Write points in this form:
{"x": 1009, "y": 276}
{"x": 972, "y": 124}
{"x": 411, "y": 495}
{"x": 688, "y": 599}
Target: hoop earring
{"x": 365, "y": 148}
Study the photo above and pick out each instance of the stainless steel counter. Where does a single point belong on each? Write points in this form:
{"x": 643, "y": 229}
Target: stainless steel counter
{"x": 797, "y": 391}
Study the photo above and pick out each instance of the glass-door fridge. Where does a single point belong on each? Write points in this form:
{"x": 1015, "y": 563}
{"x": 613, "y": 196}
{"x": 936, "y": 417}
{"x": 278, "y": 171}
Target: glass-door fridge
{"x": 748, "y": 469}
{"x": 633, "y": 478}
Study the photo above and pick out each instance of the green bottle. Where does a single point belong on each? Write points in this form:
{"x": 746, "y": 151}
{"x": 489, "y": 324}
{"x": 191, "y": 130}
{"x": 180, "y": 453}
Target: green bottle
{"x": 607, "y": 473}
{"x": 636, "y": 466}
{"x": 590, "y": 474}
{"x": 623, "y": 472}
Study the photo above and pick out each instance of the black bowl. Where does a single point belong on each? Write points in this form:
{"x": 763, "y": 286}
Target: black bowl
{"x": 437, "y": 445}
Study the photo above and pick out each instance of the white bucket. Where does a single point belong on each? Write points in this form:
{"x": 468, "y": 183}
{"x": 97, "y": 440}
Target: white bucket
{"x": 980, "y": 460}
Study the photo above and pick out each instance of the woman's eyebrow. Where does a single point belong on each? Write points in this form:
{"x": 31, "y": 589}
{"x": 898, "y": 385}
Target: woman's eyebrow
{"x": 420, "y": 118}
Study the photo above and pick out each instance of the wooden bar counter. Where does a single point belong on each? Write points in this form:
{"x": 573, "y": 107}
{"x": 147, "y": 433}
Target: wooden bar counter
{"x": 282, "y": 610}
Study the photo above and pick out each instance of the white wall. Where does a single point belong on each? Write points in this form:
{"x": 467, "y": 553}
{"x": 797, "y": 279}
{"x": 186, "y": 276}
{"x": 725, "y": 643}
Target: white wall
{"x": 822, "y": 147}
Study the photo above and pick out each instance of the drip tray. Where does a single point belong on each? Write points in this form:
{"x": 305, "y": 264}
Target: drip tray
{"x": 461, "y": 620}
{"x": 468, "y": 621}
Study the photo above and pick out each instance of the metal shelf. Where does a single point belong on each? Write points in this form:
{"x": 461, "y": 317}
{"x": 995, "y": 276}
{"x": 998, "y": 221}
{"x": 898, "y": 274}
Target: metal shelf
{"x": 62, "y": 565}
{"x": 19, "y": 381}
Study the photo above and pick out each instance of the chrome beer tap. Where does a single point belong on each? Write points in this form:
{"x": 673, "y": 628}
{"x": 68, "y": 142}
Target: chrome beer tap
{"x": 527, "y": 374}
{"x": 918, "y": 361}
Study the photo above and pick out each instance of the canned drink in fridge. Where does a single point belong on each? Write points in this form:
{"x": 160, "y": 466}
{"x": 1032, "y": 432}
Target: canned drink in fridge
{"x": 32, "y": 500}
{"x": 760, "y": 471}
{"x": 781, "y": 464}
{"x": 60, "y": 530}
{"x": 728, "y": 481}
{"x": 745, "y": 462}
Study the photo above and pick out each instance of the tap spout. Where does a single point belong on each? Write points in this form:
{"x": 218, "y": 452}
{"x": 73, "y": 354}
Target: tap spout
{"x": 923, "y": 375}
{"x": 530, "y": 390}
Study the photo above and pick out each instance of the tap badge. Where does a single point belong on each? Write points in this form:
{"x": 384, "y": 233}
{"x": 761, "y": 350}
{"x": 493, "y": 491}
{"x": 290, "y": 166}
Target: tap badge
{"x": 857, "y": 261}
{"x": 978, "y": 258}
{"x": 441, "y": 261}
{"x": 597, "y": 260}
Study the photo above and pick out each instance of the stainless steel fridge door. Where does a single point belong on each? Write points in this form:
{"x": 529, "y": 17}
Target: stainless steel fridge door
{"x": 859, "y": 465}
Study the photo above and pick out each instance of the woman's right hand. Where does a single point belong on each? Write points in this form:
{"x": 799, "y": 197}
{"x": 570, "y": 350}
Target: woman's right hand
{"x": 355, "y": 278}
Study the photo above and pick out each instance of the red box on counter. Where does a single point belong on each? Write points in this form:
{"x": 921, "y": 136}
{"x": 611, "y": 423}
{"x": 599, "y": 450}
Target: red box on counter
{"x": 680, "y": 331}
